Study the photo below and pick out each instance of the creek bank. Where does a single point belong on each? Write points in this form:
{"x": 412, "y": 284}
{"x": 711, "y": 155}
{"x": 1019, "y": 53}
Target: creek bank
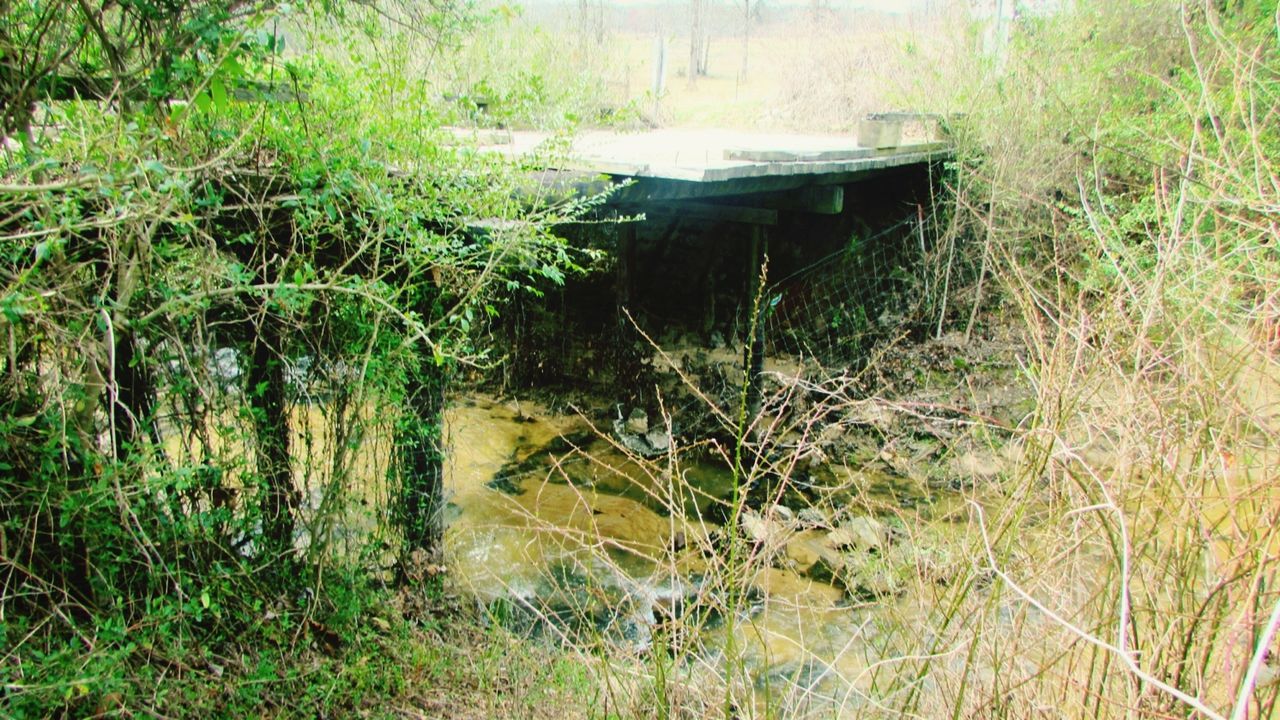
{"x": 610, "y": 524}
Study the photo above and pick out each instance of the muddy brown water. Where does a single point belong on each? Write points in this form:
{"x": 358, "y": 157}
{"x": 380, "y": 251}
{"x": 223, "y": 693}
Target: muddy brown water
{"x": 561, "y": 533}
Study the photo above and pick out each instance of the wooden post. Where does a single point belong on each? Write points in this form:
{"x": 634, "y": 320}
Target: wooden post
{"x": 266, "y": 390}
{"x": 1002, "y": 34}
{"x": 626, "y": 270}
{"x": 624, "y": 357}
{"x": 659, "y": 84}
{"x": 419, "y": 443}
{"x": 753, "y": 350}
{"x": 422, "y": 460}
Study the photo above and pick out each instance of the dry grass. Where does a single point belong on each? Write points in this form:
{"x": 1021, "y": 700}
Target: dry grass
{"x": 1153, "y": 440}
{"x": 802, "y": 76}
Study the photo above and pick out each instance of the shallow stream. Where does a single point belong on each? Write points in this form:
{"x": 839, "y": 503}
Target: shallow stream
{"x": 562, "y": 532}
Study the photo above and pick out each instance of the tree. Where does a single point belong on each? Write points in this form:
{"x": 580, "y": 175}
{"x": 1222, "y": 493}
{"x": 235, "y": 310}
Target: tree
{"x": 591, "y": 20}
{"x": 698, "y": 40}
{"x": 205, "y": 241}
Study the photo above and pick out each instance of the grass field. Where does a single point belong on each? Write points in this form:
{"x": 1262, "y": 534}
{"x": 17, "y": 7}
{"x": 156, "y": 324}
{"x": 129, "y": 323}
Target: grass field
{"x": 801, "y": 75}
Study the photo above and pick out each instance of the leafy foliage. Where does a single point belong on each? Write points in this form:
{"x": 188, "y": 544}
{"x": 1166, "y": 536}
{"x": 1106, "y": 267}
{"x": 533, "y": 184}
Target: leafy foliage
{"x": 236, "y": 276}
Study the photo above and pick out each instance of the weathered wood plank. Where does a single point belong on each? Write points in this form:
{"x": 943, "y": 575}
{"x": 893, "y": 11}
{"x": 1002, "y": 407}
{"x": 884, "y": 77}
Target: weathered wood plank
{"x": 817, "y": 199}
{"x": 713, "y": 212}
{"x": 784, "y": 155}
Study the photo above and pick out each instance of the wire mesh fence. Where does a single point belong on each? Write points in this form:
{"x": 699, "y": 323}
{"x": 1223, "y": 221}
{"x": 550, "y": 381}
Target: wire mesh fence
{"x": 834, "y": 299}
{"x": 837, "y": 307}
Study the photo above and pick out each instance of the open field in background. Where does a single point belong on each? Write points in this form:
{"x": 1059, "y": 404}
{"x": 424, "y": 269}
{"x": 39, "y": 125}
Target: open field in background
{"x": 789, "y": 86}
{"x": 802, "y": 74}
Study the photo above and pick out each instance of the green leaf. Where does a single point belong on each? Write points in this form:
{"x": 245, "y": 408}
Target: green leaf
{"x": 219, "y": 92}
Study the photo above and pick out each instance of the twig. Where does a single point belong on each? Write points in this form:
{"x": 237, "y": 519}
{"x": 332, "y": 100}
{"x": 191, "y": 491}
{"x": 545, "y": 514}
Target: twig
{"x": 1125, "y": 657}
{"x": 1241, "y": 710}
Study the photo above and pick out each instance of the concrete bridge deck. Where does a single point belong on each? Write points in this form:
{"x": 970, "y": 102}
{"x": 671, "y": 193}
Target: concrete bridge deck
{"x": 690, "y": 164}
{"x": 711, "y": 203}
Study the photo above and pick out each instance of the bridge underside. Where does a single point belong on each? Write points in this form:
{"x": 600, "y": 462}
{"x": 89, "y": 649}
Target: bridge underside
{"x": 816, "y": 239}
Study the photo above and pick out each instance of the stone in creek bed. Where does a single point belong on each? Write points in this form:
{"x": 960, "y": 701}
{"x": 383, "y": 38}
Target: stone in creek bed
{"x": 812, "y": 517}
{"x": 827, "y": 568}
{"x": 658, "y": 439}
{"x": 638, "y": 422}
{"x": 783, "y": 514}
{"x": 977, "y": 465}
{"x": 865, "y": 557}
{"x": 766, "y": 531}
{"x": 862, "y": 577}
{"x": 634, "y": 435}
{"x": 860, "y": 534}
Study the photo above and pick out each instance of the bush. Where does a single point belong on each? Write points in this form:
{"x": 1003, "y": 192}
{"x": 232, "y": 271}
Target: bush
{"x": 235, "y": 278}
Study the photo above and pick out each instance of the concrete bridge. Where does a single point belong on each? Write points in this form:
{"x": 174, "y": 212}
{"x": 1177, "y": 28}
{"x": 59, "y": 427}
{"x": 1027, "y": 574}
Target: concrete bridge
{"x": 688, "y": 165}
{"x": 715, "y": 203}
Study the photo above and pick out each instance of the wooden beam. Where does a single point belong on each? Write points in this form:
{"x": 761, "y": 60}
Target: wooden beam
{"x": 763, "y": 155}
{"x": 710, "y": 211}
{"x": 817, "y": 199}
{"x": 626, "y": 273}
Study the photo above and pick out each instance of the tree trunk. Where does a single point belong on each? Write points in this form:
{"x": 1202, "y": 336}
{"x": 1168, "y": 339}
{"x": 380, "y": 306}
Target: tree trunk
{"x": 695, "y": 40}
